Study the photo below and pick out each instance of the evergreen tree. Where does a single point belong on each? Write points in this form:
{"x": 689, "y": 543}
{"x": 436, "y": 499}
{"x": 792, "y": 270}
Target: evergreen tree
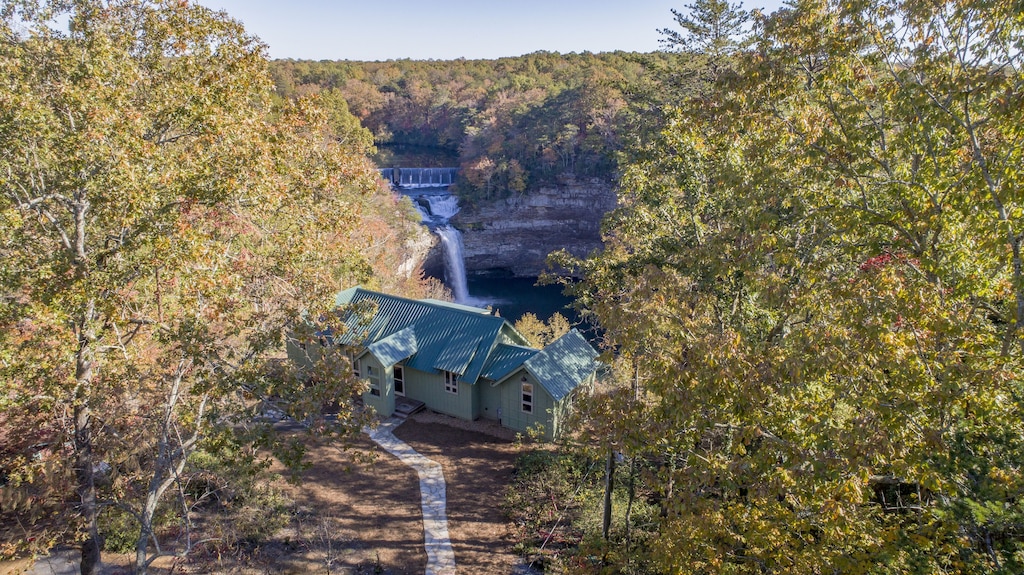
{"x": 711, "y": 33}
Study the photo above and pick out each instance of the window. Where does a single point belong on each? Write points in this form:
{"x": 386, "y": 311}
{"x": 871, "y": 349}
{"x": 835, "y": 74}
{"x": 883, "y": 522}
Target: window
{"x": 399, "y": 380}
{"x": 326, "y": 337}
{"x": 451, "y": 385}
{"x": 527, "y": 396}
{"x": 355, "y": 363}
{"x": 374, "y": 378}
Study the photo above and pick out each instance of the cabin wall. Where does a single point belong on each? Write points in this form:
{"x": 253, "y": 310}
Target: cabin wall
{"x": 429, "y": 388}
{"x": 304, "y": 356}
{"x": 383, "y": 404}
{"x": 490, "y": 400}
{"x": 543, "y": 413}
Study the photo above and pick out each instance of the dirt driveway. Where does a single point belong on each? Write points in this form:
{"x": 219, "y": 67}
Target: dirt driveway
{"x": 368, "y": 519}
{"x": 477, "y": 468}
{"x": 364, "y": 518}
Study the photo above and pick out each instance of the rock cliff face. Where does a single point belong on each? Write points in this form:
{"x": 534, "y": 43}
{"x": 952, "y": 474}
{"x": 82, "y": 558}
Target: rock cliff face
{"x": 515, "y": 235}
{"x": 418, "y": 248}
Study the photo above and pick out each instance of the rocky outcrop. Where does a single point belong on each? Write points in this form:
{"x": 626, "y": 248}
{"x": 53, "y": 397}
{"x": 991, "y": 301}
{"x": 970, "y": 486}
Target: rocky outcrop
{"x": 418, "y": 247}
{"x": 515, "y": 235}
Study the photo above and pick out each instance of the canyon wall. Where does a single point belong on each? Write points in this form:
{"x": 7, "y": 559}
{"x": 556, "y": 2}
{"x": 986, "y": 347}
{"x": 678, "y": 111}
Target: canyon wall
{"x": 516, "y": 234}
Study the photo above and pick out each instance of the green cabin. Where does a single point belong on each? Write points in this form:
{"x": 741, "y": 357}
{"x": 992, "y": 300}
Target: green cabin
{"x": 457, "y": 360}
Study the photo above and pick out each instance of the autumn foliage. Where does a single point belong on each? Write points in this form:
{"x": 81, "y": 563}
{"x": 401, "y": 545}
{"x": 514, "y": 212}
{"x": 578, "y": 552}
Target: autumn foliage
{"x": 815, "y": 284}
{"x": 164, "y": 222}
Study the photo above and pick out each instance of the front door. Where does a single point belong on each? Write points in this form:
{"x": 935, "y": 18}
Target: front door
{"x": 399, "y": 381}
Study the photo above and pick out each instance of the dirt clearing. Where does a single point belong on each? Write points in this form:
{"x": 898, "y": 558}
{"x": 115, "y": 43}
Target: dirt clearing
{"x": 477, "y": 469}
{"x": 365, "y": 518}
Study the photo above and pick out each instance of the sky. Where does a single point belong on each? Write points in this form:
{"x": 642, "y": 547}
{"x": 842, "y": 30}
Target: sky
{"x": 449, "y": 29}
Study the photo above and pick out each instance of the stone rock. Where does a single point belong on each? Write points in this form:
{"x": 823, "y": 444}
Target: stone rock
{"x": 516, "y": 234}
{"x": 417, "y": 250}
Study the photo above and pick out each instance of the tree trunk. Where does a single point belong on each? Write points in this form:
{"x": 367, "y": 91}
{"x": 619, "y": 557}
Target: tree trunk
{"x": 609, "y": 485}
{"x": 145, "y": 534}
{"x": 670, "y": 487}
{"x": 172, "y": 453}
{"x": 632, "y": 495}
{"x": 84, "y": 474}
{"x": 92, "y": 545}
{"x": 631, "y": 487}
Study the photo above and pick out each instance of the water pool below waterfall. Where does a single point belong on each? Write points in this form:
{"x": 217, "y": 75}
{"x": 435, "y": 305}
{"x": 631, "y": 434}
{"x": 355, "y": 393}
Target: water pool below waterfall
{"x": 511, "y": 296}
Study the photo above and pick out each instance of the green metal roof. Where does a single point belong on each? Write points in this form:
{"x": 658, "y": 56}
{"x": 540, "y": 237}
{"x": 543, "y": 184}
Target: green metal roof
{"x": 345, "y": 297}
{"x": 505, "y": 359}
{"x": 457, "y": 306}
{"x": 395, "y": 347}
{"x": 564, "y": 364}
{"x": 432, "y": 335}
{"x": 450, "y": 338}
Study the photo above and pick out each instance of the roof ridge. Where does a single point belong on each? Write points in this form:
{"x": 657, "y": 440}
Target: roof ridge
{"x": 441, "y": 304}
{"x": 430, "y": 302}
{"x": 526, "y": 347}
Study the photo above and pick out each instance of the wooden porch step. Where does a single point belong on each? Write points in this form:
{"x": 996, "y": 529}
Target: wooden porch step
{"x": 404, "y": 407}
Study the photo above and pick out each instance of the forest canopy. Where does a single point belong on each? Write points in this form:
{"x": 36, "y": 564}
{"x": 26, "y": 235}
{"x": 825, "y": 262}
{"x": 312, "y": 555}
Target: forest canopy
{"x": 814, "y": 291}
{"x": 164, "y": 223}
{"x": 811, "y": 292}
{"x": 510, "y": 124}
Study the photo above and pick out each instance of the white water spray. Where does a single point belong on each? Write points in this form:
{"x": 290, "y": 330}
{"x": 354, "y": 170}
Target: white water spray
{"x": 454, "y": 262}
{"x": 436, "y": 206}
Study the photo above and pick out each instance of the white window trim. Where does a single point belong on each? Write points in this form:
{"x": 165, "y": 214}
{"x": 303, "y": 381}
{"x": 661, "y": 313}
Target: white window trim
{"x": 451, "y": 382}
{"x": 374, "y": 381}
{"x": 524, "y": 403}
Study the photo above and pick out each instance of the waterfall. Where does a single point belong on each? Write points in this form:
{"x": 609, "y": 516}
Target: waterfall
{"x": 428, "y": 190}
{"x": 387, "y": 174}
{"x": 443, "y": 206}
{"x": 454, "y": 262}
{"x": 437, "y": 208}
